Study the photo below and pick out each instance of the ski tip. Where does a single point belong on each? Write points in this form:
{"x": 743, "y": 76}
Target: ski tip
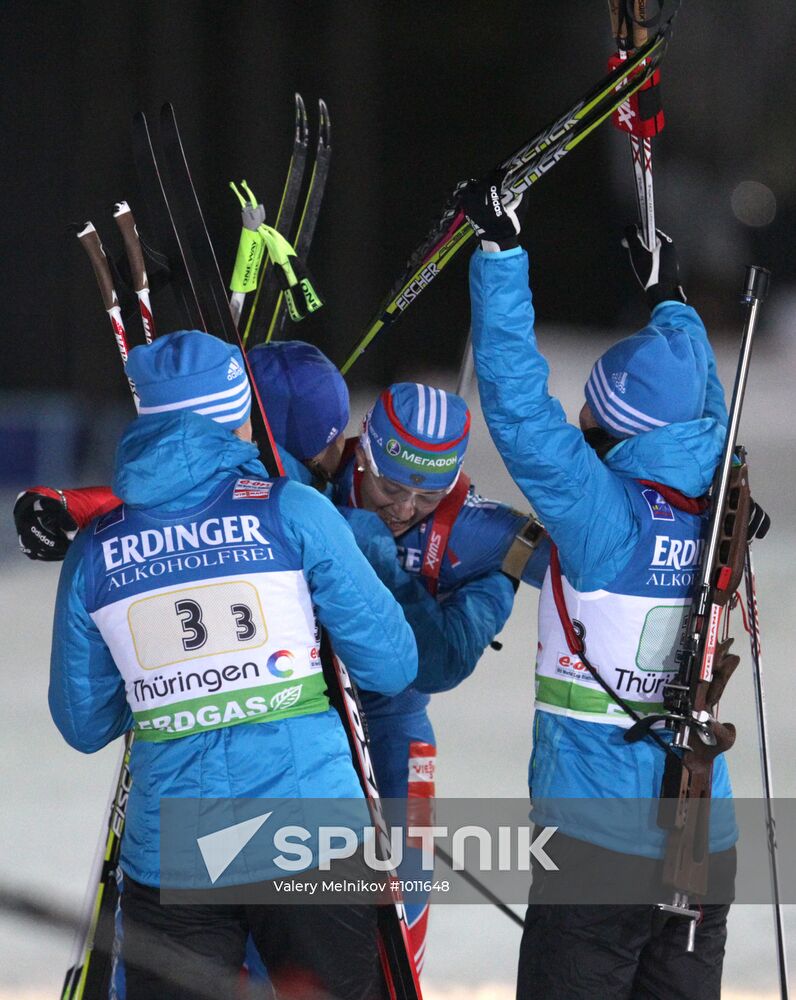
{"x": 325, "y": 127}
{"x": 302, "y": 122}
{"x": 140, "y": 126}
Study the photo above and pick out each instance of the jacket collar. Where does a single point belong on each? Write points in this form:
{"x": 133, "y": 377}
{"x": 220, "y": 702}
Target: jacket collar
{"x": 683, "y": 455}
{"x": 165, "y": 458}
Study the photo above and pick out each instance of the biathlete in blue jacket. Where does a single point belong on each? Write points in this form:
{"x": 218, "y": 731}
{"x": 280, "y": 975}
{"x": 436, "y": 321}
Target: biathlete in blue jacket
{"x": 451, "y": 558}
{"x": 619, "y": 496}
{"x": 437, "y": 545}
{"x": 175, "y": 615}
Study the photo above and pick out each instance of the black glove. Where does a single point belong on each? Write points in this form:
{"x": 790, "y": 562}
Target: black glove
{"x": 657, "y": 270}
{"x": 759, "y": 521}
{"x": 495, "y": 221}
{"x": 44, "y": 525}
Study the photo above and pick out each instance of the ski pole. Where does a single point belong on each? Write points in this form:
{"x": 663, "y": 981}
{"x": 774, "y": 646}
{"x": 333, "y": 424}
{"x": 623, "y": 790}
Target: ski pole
{"x": 466, "y": 368}
{"x": 132, "y": 245}
{"x": 630, "y": 31}
{"x": 479, "y": 886}
{"x": 90, "y": 241}
{"x": 525, "y": 167}
{"x": 765, "y": 770}
{"x": 89, "y": 974}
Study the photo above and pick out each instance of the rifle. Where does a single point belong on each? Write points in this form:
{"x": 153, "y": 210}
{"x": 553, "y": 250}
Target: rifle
{"x": 690, "y": 699}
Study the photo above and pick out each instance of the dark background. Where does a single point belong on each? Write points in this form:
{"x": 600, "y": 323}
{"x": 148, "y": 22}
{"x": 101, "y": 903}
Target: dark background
{"x": 420, "y": 96}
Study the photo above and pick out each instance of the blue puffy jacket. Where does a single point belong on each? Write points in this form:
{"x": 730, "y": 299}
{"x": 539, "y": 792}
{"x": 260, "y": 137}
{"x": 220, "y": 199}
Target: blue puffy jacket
{"x": 171, "y": 463}
{"x": 584, "y": 503}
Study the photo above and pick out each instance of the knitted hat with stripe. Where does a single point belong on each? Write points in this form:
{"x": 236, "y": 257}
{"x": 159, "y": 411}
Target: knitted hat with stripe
{"x": 191, "y": 370}
{"x": 649, "y": 380}
{"x": 417, "y": 435}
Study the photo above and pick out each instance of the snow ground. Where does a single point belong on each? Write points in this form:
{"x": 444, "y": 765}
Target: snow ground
{"x": 54, "y": 798}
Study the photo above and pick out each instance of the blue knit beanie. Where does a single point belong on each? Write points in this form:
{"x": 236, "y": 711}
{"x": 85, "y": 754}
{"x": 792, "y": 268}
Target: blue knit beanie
{"x": 648, "y": 380}
{"x": 304, "y": 395}
{"x": 417, "y": 435}
{"x": 191, "y": 370}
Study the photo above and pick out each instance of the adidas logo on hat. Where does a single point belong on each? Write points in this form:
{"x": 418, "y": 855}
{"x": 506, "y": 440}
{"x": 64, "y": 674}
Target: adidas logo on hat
{"x": 620, "y": 381}
{"x": 234, "y": 370}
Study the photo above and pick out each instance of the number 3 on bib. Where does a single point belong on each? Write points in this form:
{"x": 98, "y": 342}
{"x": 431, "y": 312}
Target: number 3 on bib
{"x": 203, "y": 620}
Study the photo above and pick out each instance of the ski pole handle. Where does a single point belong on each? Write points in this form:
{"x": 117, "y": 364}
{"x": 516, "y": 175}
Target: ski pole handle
{"x": 639, "y": 27}
{"x": 249, "y": 258}
{"x": 135, "y": 255}
{"x": 90, "y": 241}
{"x": 756, "y": 282}
{"x": 618, "y": 24}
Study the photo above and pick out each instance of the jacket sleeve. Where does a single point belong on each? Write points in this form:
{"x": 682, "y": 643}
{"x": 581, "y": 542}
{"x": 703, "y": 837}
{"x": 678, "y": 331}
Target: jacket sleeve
{"x": 451, "y": 635}
{"x": 86, "y": 697}
{"x": 677, "y": 316}
{"x": 456, "y": 631}
{"x": 366, "y": 625}
{"x": 581, "y": 503}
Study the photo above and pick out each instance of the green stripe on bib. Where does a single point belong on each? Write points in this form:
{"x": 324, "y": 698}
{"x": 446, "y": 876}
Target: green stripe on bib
{"x": 578, "y": 698}
{"x": 262, "y": 703}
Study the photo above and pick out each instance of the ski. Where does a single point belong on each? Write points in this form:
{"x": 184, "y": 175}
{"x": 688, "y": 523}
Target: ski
{"x": 276, "y": 316}
{"x": 284, "y": 220}
{"x": 396, "y": 954}
{"x": 90, "y": 973}
{"x": 522, "y": 169}
{"x": 188, "y": 220}
{"x": 160, "y": 219}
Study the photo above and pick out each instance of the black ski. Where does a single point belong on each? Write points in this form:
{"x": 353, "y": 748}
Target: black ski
{"x": 189, "y": 224}
{"x": 91, "y": 970}
{"x": 162, "y": 225}
{"x": 284, "y": 223}
{"x": 272, "y": 320}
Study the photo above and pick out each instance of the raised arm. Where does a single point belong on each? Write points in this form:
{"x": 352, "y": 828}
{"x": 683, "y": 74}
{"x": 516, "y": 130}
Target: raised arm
{"x": 549, "y": 459}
